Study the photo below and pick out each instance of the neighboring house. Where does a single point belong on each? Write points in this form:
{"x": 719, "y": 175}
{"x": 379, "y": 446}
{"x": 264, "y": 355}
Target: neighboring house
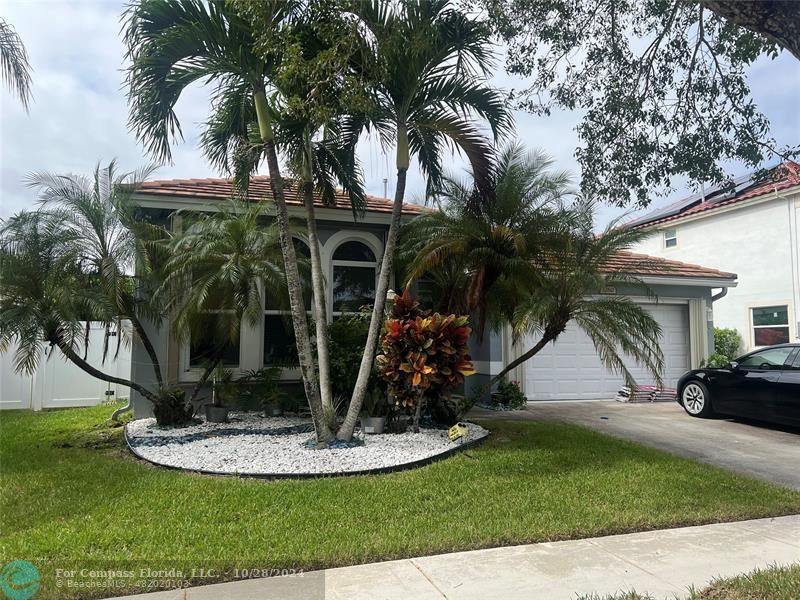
{"x": 753, "y": 230}
{"x": 351, "y": 253}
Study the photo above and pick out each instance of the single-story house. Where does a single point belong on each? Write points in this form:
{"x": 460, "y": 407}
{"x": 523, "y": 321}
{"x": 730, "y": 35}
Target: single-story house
{"x": 351, "y": 254}
{"x": 753, "y": 228}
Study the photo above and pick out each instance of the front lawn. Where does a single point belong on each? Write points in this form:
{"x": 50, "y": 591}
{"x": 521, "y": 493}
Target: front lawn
{"x": 71, "y": 497}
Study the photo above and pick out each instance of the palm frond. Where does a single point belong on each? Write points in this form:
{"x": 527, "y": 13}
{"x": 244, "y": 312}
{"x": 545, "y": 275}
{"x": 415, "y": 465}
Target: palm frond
{"x": 14, "y": 64}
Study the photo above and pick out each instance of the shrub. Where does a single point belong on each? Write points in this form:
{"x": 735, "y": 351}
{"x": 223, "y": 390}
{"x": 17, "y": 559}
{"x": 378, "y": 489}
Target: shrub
{"x": 715, "y": 361}
{"x": 422, "y": 352}
{"x": 262, "y": 387}
{"x": 171, "y": 409}
{"x": 727, "y": 343}
{"x": 510, "y": 395}
{"x": 348, "y": 337}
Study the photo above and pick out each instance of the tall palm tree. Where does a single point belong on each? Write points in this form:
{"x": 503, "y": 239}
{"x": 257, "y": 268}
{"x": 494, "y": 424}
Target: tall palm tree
{"x": 226, "y": 262}
{"x": 174, "y": 43}
{"x": 434, "y": 61}
{"x": 481, "y": 236}
{"x": 317, "y": 158}
{"x": 14, "y": 63}
{"x": 565, "y": 287}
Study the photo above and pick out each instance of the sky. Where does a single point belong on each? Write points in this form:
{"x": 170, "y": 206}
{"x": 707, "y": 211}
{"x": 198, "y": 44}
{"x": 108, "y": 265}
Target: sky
{"x": 79, "y": 114}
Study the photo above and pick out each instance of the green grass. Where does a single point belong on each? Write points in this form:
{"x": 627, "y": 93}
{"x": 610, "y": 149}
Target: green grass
{"x": 71, "y": 497}
{"x": 775, "y": 583}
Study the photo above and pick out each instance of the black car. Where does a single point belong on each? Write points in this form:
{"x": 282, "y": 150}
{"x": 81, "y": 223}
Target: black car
{"x": 762, "y": 385}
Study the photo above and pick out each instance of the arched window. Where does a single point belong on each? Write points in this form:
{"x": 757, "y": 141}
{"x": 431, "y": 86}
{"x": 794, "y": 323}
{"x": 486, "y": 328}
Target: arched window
{"x": 279, "y": 343}
{"x": 354, "y": 270}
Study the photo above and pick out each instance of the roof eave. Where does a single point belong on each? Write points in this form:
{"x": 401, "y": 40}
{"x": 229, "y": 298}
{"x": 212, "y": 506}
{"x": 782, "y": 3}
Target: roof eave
{"x": 712, "y": 282}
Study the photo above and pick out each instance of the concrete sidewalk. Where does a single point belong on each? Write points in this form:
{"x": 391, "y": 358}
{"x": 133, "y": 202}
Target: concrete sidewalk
{"x": 662, "y": 563}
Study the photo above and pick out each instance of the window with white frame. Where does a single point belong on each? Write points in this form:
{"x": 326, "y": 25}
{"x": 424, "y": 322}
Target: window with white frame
{"x": 354, "y": 273}
{"x": 213, "y": 337}
{"x": 770, "y": 325}
{"x": 670, "y": 238}
{"x": 278, "y": 335}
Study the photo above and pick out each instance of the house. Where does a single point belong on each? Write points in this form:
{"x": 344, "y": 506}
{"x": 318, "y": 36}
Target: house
{"x": 753, "y": 230}
{"x": 351, "y": 253}
{"x": 678, "y": 296}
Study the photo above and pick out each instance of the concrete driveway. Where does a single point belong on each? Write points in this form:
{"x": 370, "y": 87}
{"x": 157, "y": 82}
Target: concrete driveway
{"x": 757, "y": 450}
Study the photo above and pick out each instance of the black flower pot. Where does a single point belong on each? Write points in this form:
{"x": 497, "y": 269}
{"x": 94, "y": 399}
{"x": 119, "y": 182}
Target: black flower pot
{"x": 216, "y": 414}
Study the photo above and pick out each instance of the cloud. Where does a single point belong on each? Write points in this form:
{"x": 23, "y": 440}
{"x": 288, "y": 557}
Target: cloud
{"x": 79, "y": 114}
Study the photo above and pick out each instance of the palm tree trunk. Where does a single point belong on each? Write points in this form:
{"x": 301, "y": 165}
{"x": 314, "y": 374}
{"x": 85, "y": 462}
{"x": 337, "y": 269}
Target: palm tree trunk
{"x": 299, "y": 320}
{"x": 318, "y": 287}
{"x": 79, "y": 362}
{"x": 367, "y": 360}
{"x": 546, "y": 339}
{"x": 148, "y": 346}
{"x": 203, "y": 378}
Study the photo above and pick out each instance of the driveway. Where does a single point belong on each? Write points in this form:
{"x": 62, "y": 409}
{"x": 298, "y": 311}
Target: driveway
{"x": 756, "y": 450}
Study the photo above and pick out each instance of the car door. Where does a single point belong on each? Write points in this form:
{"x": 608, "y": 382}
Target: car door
{"x": 787, "y": 400}
{"x": 753, "y": 386}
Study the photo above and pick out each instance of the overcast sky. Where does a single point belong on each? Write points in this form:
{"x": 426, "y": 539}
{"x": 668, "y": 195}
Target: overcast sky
{"x": 79, "y": 113}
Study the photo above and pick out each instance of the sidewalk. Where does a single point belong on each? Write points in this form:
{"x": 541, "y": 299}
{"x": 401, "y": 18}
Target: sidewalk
{"x": 662, "y": 563}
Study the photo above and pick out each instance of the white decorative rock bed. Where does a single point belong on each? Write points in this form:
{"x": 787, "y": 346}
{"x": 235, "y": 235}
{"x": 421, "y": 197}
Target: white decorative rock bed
{"x": 257, "y": 446}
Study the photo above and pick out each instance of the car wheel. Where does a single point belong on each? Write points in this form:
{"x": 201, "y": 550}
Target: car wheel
{"x": 696, "y": 400}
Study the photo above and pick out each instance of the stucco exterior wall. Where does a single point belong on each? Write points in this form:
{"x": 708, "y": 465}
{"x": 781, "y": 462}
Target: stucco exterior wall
{"x": 172, "y": 354}
{"x": 759, "y": 242}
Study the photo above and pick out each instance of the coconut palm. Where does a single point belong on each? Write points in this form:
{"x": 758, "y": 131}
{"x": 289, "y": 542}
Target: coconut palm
{"x": 14, "y": 64}
{"x": 432, "y": 87}
{"x": 174, "y": 43}
{"x": 226, "y": 262}
{"x": 565, "y": 288}
{"x": 484, "y": 235}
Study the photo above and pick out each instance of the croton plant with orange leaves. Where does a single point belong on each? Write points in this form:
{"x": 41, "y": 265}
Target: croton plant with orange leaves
{"x": 422, "y": 351}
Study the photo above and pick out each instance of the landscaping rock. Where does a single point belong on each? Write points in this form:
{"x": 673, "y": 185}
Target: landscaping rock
{"x": 251, "y": 444}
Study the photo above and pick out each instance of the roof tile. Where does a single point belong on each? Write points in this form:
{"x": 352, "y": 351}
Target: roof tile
{"x": 222, "y": 189}
{"x": 633, "y": 263}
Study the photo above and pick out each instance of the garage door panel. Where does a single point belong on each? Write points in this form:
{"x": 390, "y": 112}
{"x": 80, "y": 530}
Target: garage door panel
{"x": 570, "y": 369}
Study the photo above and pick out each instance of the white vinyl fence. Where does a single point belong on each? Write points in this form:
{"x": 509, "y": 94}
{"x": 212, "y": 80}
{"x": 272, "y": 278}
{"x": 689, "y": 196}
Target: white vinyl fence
{"x": 58, "y": 383}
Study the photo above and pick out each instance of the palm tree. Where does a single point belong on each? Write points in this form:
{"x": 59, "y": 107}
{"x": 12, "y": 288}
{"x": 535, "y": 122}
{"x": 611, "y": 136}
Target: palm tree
{"x": 95, "y": 216}
{"x": 174, "y": 43}
{"x": 48, "y": 296}
{"x": 481, "y": 236}
{"x": 225, "y": 262}
{"x": 434, "y": 62}
{"x": 565, "y": 288}
{"x": 317, "y": 158}
{"x": 14, "y": 64}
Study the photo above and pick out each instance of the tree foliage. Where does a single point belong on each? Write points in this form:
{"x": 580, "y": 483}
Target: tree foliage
{"x": 15, "y": 68}
{"x": 525, "y": 254}
{"x": 661, "y": 86}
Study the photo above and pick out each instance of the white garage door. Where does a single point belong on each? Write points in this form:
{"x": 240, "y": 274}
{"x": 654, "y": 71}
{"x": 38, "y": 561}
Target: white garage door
{"x": 570, "y": 369}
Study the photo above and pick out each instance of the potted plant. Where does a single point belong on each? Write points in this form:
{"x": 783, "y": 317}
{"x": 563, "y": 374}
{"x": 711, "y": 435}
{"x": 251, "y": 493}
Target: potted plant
{"x": 376, "y": 407}
{"x": 222, "y": 390}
